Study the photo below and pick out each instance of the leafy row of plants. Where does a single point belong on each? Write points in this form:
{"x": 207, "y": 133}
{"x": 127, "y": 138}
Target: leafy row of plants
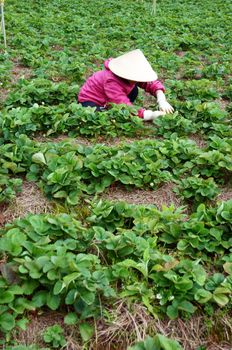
{"x": 123, "y": 252}
{"x": 193, "y": 117}
{"x": 67, "y": 170}
{"x": 72, "y": 119}
{"x": 41, "y": 105}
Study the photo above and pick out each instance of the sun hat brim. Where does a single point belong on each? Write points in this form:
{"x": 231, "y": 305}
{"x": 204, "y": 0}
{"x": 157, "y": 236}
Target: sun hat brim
{"x": 133, "y": 66}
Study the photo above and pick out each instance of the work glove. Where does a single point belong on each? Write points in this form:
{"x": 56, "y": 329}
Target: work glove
{"x": 162, "y": 102}
{"x": 150, "y": 115}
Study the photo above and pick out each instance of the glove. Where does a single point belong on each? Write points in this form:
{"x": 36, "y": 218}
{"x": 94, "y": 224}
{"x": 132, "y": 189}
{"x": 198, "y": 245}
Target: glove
{"x": 162, "y": 102}
{"x": 150, "y": 115}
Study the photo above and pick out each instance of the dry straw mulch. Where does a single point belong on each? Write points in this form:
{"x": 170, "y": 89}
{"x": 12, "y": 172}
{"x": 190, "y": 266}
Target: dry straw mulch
{"x": 163, "y": 196}
{"x": 30, "y": 200}
{"x": 124, "y": 325}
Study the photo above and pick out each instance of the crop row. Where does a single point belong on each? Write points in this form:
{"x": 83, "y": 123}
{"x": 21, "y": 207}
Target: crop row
{"x": 41, "y": 105}
{"x": 118, "y": 251}
{"x": 66, "y": 171}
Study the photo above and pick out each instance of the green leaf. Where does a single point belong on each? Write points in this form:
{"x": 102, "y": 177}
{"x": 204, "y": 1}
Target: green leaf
{"x": 7, "y": 321}
{"x": 39, "y": 158}
{"x": 202, "y": 296}
{"x": 228, "y": 267}
{"x": 22, "y": 323}
{"x": 71, "y": 277}
{"x": 71, "y": 318}
{"x": 172, "y": 312}
{"x": 40, "y": 298}
{"x": 182, "y": 244}
{"x": 6, "y": 297}
{"x": 29, "y": 286}
{"x": 52, "y": 275}
{"x": 86, "y": 331}
{"x": 58, "y": 287}
{"x": 220, "y": 299}
{"x": 147, "y": 344}
{"x": 226, "y": 215}
{"x": 219, "y": 296}
{"x": 187, "y": 306}
{"x": 71, "y": 297}
{"x": 88, "y": 297}
{"x": 164, "y": 343}
{"x": 53, "y": 301}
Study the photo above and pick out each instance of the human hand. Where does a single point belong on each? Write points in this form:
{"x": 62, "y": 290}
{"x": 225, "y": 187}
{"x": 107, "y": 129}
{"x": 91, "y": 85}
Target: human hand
{"x": 166, "y": 107}
{"x": 150, "y": 115}
{"x": 162, "y": 102}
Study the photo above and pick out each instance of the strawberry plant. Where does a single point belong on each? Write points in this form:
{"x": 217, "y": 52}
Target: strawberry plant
{"x": 41, "y": 91}
{"x": 8, "y": 188}
{"x": 197, "y": 188}
{"x": 202, "y": 90}
{"x": 54, "y": 335}
{"x": 222, "y": 145}
{"x": 5, "y": 67}
{"x": 118, "y": 120}
{"x": 159, "y": 342}
{"x": 212, "y": 162}
{"x": 174, "y": 123}
{"x": 207, "y": 232}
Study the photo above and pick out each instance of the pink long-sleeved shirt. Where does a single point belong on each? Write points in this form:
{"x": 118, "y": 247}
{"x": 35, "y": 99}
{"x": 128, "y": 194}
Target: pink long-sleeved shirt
{"x": 105, "y": 87}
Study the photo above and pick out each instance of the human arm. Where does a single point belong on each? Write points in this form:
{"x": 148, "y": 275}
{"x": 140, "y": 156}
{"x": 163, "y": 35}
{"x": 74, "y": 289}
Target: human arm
{"x": 116, "y": 94}
{"x": 152, "y": 87}
{"x": 156, "y": 88}
{"x": 163, "y": 103}
{"x": 151, "y": 115}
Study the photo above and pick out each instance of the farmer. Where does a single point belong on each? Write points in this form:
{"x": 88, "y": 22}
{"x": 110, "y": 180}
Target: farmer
{"x": 119, "y": 81}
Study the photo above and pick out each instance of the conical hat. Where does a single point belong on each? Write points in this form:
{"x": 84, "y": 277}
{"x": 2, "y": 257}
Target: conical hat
{"x": 134, "y": 66}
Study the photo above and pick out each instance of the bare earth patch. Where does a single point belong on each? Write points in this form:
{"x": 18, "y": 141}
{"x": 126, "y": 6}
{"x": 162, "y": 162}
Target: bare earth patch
{"x": 162, "y": 196}
{"x": 223, "y": 103}
{"x": 106, "y": 141}
{"x": 57, "y": 48}
{"x": 180, "y": 53}
{"x": 30, "y": 200}
{"x": 225, "y": 195}
{"x": 64, "y": 137}
{"x": 3, "y": 94}
{"x": 19, "y": 71}
{"x": 200, "y": 142}
{"x": 36, "y": 326}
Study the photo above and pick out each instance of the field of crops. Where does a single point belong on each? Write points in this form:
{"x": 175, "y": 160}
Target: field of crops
{"x": 114, "y": 233}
